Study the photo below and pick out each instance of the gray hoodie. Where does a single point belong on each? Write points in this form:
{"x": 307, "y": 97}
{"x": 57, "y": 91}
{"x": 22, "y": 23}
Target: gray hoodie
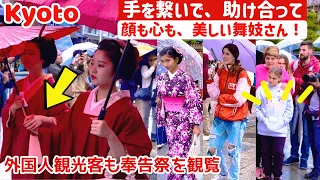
{"x": 274, "y": 115}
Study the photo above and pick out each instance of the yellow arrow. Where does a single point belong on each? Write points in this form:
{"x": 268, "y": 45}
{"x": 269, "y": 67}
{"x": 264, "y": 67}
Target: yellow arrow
{"x": 54, "y": 95}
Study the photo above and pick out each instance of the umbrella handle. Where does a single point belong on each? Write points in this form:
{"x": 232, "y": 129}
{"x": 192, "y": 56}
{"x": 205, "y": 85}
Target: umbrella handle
{"x": 102, "y": 113}
{"x": 41, "y": 31}
{"x": 104, "y": 109}
{"x": 24, "y": 112}
{"x": 14, "y": 83}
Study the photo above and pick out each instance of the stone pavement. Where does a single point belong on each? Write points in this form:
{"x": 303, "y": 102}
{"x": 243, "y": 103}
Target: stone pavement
{"x": 248, "y": 155}
{"x": 293, "y": 171}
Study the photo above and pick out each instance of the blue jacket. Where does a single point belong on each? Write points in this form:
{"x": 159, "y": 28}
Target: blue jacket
{"x": 3, "y": 87}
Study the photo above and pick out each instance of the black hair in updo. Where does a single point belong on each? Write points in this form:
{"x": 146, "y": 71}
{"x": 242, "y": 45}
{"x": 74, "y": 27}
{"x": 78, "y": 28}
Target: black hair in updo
{"x": 113, "y": 50}
{"x": 48, "y": 50}
{"x": 171, "y": 52}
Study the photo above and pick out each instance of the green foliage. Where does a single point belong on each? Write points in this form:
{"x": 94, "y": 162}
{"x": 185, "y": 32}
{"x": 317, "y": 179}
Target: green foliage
{"x": 313, "y": 26}
{"x": 192, "y": 41}
{"x": 275, "y": 41}
{"x": 313, "y": 29}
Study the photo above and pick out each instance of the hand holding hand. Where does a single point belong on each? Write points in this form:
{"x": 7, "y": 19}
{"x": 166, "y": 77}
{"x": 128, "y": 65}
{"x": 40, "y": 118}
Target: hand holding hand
{"x": 32, "y": 122}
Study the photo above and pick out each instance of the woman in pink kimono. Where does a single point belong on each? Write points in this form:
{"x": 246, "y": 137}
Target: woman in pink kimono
{"x": 180, "y": 109}
{"x": 25, "y": 121}
{"x": 121, "y": 132}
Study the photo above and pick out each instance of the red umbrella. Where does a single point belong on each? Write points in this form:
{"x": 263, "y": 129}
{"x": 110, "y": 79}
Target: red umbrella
{"x": 97, "y": 14}
{"x": 13, "y": 38}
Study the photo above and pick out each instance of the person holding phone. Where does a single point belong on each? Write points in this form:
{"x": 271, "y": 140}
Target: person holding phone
{"x": 81, "y": 83}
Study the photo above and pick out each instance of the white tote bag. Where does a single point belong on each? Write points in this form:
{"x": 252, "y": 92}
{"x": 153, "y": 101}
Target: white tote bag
{"x": 195, "y": 149}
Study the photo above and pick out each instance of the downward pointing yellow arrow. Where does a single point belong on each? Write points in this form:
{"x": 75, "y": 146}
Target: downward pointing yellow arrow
{"x": 55, "y": 95}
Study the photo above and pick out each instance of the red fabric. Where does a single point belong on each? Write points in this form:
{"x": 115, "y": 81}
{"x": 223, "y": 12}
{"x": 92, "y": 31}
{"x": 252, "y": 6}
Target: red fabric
{"x": 13, "y": 43}
{"x": 122, "y": 117}
{"x": 300, "y": 71}
{"x": 205, "y": 75}
{"x": 16, "y": 137}
{"x": 226, "y": 96}
{"x": 209, "y": 81}
{"x": 100, "y": 14}
{"x": 319, "y": 104}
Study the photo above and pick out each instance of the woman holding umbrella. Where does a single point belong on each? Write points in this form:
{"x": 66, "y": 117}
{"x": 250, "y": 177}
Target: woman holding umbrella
{"x": 21, "y": 132}
{"x": 179, "y": 108}
{"x": 231, "y": 112}
{"x": 145, "y": 103}
{"x": 122, "y": 131}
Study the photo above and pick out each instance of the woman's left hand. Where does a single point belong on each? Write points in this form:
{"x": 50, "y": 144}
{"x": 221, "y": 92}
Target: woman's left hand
{"x": 32, "y": 122}
{"x": 100, "y": 128}
{"x": 196, "y": 130}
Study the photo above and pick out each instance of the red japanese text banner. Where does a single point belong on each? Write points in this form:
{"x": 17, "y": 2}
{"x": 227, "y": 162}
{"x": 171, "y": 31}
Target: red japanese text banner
{"x": 195, "y": 19}
{"x": 213, "y": 29}
{"x": 98, "y": 165}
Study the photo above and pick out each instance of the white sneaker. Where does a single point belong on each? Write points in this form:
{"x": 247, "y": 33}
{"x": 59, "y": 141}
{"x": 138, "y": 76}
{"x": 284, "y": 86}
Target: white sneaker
{"x": 206, "y": 138}
{"x": 219, "y": 177}
{"x": 160, "y": 145}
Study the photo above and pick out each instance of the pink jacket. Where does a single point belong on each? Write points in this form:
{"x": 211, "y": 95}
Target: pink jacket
{"x": 262, "y": 75}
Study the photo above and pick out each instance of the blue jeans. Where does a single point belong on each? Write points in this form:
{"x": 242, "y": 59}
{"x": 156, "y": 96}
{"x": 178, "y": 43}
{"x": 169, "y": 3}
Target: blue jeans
{"x": 161, "y": 135}
{"x": 295, "y": 141}
{"x": 231, "y": 131}
{"x": 314, "y": 140}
